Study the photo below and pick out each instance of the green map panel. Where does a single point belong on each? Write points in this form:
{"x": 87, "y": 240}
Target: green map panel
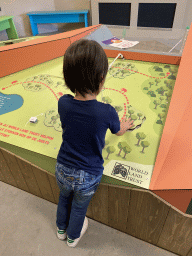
{"x": 138, "y": 90}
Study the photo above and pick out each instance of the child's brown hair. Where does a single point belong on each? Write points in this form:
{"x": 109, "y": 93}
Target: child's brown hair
{"x": 85, "y": 66}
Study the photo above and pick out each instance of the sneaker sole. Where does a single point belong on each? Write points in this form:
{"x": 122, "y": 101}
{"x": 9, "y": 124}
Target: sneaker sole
{"x": 61, "y": 234}
{"x": 73, "y": 243}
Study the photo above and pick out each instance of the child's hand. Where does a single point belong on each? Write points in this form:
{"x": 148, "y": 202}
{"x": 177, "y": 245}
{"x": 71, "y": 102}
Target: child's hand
{"x": 127, "y": 124}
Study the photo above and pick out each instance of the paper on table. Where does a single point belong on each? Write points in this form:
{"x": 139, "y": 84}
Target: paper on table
{"x": 109, "y": 41}
{"x": 124, "y": 44}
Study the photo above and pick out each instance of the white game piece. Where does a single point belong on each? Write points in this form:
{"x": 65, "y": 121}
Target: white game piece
{"x": 33, "y": 119}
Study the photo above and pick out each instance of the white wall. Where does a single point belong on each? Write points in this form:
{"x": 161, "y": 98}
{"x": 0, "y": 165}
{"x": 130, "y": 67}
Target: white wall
{"x": 73, "y": 5}
{"x": 182, "y": 19}
{"x": 18, "y": 9}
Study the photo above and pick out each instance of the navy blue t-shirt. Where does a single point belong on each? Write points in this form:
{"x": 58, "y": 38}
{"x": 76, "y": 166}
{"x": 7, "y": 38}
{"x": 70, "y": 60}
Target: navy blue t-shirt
{"x": 84, "y": 125}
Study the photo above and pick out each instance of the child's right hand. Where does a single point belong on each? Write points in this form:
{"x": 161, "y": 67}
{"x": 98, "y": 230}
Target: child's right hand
{"x": 127, "y": 124}
{"x": 124, "y": 126}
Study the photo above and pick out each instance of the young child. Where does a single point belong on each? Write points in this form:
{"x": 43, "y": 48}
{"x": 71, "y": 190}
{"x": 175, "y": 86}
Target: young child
{"x": 84, "y": 121}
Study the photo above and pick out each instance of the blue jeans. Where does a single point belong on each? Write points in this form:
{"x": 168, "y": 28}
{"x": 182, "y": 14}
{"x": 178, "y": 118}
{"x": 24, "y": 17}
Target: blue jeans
{"x": 77, "y": 187}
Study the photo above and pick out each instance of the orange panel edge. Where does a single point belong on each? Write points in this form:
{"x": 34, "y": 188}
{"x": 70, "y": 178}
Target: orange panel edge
{"x": 144, "y": 57}
{"x": 179, "y": 198}
{"x": 174, "y": 116}
{"x": 30, "y": 50}
{"x": 30, "y": 53}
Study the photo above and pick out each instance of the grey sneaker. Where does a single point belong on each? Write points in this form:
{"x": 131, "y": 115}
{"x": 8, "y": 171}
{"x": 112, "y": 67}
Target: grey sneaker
{"x": 73, "y": 243}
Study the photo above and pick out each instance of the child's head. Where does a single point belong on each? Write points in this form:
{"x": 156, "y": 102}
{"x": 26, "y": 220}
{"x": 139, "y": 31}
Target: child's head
{"x": 85, "y": 67}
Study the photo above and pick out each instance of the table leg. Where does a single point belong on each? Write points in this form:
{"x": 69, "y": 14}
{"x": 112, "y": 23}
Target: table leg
{"x": 34, "y": 27}
{"x": 86, "y": 20}
{"x": 12, "y": 32}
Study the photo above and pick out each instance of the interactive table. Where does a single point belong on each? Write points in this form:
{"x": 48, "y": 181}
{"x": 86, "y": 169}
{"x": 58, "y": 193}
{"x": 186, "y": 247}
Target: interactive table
{"x": 141, "y": 86}
{"x": 34, "y": 92}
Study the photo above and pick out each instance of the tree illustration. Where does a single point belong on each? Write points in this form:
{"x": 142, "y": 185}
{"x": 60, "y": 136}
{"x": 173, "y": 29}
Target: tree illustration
{"x": 50, "y": 112}
{"x": 127, "y": 150}
{"x": 139, "y": 115}
{"x": 161, "y": 99}
{"x": 50, "y": 82}
{"x": 161, "y": 115}
{"x": 156, "y": 102}
{"x": 151, "y": 93}
{"x": 106, "y": 100}
{"x": 29, "y": 85}
{"x": 140, "y": 136}
{"x": 118, "y": 108}
{"x": 167, "y": 66}
{"x": 122, "y": 145}
{"x": 159, "y": 122}
{"x": 158, "y": 69}
{"x": 162, "y": 90}
{"x": 126, "y": 116}
{"x": 106, "y": 143}
{"x": 173, "y": 70}
{"x": 117, "y": 64}
{"x": 37, "y": 86}
{"x": 54, "y": 118}
{"x": 124, "y": 71}
{"x": 134, "y": 117}
{"x": 157, "y": 81}
{"x": 170, "y": 87}
{"x": 130, "y": 112}
{"x": 168, "y": 95}
{"x": 110, "y": 150}
{"x": 163, "y": 106}
{"x": 34, "y": 78}
{"x": 120, "y": 70}
{"x": 150, "y": 83}
{"x": 168, "y": 84}
{"x": 144, "y": 144}
{"x": 58, "y": 83}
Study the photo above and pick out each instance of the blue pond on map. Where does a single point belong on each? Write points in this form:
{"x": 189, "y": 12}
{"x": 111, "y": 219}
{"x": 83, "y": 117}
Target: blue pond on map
{"x": 9, "y": 103}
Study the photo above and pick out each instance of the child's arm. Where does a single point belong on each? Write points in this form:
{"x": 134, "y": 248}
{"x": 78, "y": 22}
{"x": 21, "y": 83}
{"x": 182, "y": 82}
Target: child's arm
{"x": 124, "y": 126}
